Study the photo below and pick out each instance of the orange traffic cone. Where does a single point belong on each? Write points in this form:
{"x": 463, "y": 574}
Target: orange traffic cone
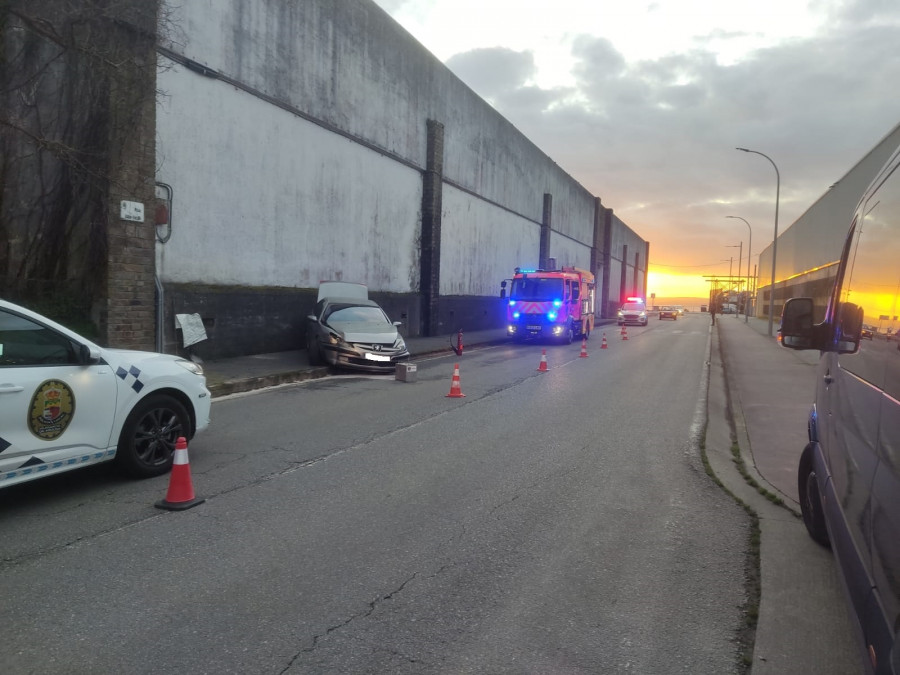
{"x": 583, "y": 354}
{"x": 543, "y": 367}
{"x": 181, "y": 490}
{"x": 455, "y": 388}
{"x": 624, "y": 332}
{"x": 603, "y": 343}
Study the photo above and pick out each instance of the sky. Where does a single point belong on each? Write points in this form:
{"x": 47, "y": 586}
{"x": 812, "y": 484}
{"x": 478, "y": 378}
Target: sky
{"x": 644, "y": 102}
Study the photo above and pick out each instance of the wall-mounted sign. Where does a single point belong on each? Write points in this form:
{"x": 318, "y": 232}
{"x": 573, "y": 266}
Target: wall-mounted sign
{"x": 133, "y": 211}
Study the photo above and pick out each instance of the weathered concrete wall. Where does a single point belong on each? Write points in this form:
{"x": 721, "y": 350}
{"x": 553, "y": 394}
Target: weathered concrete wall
{"x": 810, "y": 247}
{"x": 295, "y": 137}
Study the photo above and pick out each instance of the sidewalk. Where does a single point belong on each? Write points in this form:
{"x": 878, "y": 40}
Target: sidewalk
{"x": 760, "y": 395}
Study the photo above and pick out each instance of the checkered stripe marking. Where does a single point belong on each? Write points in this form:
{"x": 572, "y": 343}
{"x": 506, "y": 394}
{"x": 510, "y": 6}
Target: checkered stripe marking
{"x": 27, "y": 470}
{"x": 133, "y": 372}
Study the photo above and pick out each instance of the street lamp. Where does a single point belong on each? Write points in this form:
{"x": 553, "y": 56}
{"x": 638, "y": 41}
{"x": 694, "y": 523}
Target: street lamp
{"x": 749, "y": 255}
{"x": 775, "y": 238}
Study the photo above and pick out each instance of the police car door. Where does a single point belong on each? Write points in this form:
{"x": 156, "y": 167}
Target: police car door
{"x": 54, "y": 412}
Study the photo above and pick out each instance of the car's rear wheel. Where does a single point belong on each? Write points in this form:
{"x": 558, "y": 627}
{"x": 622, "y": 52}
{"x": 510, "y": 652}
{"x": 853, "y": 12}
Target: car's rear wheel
{"x": 147, "y": 442}
{"x": 810, "y": 500}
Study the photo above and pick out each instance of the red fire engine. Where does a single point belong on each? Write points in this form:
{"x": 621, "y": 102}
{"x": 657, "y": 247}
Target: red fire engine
{"x": 550, "y": 303}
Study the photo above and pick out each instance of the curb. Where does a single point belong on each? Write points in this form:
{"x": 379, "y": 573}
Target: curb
{"x": 226, "y": 387}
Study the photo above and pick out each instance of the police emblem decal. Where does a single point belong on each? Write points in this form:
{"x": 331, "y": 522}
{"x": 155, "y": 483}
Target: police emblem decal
{"x": 51, "y": 411}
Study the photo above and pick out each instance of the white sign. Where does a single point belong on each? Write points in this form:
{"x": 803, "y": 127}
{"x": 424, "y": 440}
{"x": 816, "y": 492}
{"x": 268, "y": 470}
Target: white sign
{"x": 133, "y": 211}
{"x": 192, "y": 330}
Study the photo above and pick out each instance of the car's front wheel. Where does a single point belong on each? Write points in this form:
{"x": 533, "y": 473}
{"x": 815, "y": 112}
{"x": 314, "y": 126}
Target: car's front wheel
{"x": 810, "y": 501}
{"x": 147, "y": 442}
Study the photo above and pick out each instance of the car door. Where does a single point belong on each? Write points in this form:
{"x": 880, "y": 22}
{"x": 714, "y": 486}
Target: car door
{"x": 52, "y": 409}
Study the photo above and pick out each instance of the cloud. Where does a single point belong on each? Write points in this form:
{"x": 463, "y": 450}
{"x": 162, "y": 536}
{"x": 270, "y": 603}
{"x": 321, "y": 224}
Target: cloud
{"x": 493, "y": 71}
{"x": 655, "y": 139}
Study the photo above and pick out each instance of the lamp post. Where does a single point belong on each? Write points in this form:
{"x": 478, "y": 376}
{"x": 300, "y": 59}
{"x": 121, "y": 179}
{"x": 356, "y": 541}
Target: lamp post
{"x": 775, "y": 238}
{"x": 749, "y": 255}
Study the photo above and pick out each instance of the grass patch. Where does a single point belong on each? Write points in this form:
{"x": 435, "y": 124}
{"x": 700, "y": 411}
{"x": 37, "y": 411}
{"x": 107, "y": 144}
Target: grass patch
{"x": 746, "y": 635}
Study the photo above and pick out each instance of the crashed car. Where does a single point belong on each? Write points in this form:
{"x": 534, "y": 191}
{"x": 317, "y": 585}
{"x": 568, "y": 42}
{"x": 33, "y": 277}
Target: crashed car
{"x": 348, "y": 330}
{"x": 67, "y": 403}
{"x": 668, "y": 313}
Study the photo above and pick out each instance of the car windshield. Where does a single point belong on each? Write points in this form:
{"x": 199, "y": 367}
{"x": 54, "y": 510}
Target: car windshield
{"x": 537, "y": 288}
{"x": 354, "y": 314}
{"x": 633, "y": 305}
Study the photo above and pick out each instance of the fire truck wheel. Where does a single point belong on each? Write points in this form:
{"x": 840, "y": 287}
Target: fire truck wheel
{"x": 569, "y": 335}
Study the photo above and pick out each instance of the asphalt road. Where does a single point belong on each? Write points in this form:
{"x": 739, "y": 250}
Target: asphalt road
{"x": 547, "y": 522}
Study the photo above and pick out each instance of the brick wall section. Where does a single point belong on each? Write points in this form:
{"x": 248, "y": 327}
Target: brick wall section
{"x": 130, "y": 320}
{"x": 430, "y": 264}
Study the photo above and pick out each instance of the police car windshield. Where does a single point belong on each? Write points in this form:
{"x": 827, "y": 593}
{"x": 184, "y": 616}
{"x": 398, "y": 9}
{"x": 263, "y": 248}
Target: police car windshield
{"x": 633, "y": 305}
{"x": 536, "y": 288}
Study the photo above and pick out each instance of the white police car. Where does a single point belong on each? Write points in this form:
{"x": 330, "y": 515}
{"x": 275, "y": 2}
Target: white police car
{"x": 66, "y": 403}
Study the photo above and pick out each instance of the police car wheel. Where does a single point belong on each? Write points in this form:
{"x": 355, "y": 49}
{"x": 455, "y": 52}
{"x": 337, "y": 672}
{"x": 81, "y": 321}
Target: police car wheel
{"x": 147, "y": 442}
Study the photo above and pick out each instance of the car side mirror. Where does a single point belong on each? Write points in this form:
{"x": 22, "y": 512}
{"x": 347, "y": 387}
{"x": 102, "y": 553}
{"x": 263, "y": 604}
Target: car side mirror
{"x": 87, "y": 354}
{"x": 797, "y": 328}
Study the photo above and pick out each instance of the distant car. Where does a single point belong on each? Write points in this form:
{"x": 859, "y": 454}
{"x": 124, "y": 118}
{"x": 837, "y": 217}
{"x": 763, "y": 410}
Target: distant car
{"x": 668, "y": 313}
{"x": 868, "y": 332}
{"x": 68, "y": 403}
{"x": 348, "y": 330}
{"x": 632, "y": 312}
{"x": 679, "y": 309}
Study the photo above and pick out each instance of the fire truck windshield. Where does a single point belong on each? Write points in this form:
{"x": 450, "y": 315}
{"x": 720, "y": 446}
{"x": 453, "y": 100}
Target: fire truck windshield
{"x": 536, "y": 288}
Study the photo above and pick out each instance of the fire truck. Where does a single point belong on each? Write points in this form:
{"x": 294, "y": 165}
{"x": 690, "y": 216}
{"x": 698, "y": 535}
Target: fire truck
{"x": 556, "y": 304}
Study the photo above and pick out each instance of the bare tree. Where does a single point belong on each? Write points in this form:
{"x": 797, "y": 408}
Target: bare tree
{"x": 72, "y": 84}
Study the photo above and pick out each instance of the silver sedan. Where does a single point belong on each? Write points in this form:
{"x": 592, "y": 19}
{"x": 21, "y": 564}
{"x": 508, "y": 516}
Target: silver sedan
{"x": 354, "y": 333}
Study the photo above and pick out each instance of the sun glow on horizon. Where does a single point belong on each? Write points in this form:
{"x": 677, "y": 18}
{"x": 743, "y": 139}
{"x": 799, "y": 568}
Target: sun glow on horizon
{"x": 668, "y": 285}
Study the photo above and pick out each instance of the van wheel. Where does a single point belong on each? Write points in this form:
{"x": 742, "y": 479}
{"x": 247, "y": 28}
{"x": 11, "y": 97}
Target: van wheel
{"x": 810, "y": 500}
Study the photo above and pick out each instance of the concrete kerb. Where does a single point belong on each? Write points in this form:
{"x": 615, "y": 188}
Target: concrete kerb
{"x": 218, "y": 388}
{"x": 797, "y": 577}
{"x": 742, "y": 437}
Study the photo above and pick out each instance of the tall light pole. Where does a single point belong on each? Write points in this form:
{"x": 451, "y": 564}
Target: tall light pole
{"x": 775, "y": 238}
{"x": 749, "y": 255}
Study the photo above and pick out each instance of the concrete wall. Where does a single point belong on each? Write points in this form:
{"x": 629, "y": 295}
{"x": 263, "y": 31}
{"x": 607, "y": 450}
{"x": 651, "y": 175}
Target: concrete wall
{"x": 808, "y": 250}
{"x": 295, "y": 136}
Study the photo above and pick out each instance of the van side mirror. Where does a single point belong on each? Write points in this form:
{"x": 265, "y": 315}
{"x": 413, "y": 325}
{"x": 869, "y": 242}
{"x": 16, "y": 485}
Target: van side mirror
{"x": 797, "y": 328}
{"x": 799, "y": 332}
{"x": 850, "y": 323}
